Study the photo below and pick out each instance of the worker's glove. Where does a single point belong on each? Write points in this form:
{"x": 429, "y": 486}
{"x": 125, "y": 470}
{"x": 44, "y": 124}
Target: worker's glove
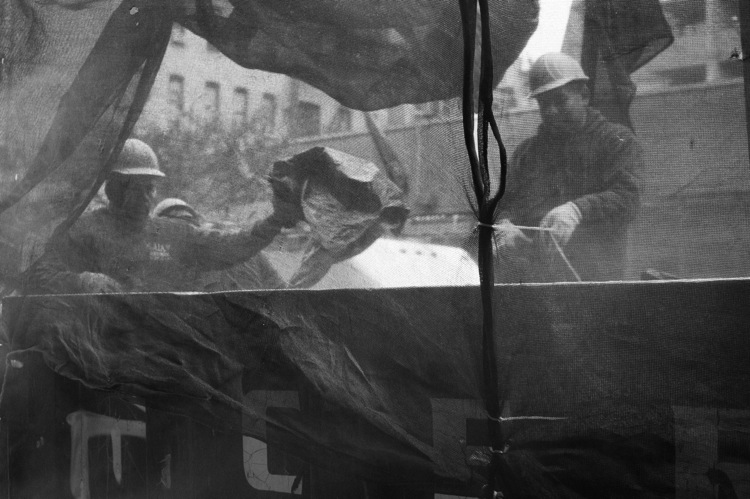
{"x": 509, "y": 237}
{"x": 560, "y": 223}
{"x": 94, "y": 282}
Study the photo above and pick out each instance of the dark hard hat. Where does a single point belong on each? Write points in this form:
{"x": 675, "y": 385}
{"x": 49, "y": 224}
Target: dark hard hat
{"x": 137, "y": 158}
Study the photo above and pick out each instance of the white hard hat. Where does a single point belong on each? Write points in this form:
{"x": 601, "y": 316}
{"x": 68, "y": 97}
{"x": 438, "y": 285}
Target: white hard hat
{"x": 169, "y": 204}
{"x": 553, "y": 70}
{"x": 137, "y": 158}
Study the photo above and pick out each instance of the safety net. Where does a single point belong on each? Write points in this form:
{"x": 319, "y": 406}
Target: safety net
{"x": 374, "y": 248}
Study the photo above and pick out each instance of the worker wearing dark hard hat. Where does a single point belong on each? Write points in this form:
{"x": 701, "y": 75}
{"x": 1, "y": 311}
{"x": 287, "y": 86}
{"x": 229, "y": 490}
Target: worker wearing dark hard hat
{"x": 120, "y": 247}
{"x": 572, "y": 188}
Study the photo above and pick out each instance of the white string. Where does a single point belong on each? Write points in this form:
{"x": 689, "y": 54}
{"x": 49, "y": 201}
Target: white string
{"x": 565, "y": 259}
{"x": 554, "y": 240}
{"x": 523, "y": 227}
{"x": 537, "y": 229}
{"x": 525, "y": 418}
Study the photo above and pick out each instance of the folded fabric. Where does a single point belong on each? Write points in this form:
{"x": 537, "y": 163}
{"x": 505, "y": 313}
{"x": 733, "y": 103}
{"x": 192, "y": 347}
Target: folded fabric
{"x": 348, "y": 202}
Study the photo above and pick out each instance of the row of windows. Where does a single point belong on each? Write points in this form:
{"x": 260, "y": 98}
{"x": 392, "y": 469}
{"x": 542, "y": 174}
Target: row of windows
{"x": 307, "y": 119}
{"x": 263, "y": 118}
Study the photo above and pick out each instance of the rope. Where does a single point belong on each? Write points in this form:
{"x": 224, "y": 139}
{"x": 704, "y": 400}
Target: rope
{"x": 526, "y": 418}
{"x": 554, "y": 240}
{"x": 565, "y": 259}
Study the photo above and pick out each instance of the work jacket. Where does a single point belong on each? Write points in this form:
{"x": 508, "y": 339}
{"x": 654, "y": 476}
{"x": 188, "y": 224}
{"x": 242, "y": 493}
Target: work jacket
{"x": 159, "y": 254}
{"x": 598, "y": 168}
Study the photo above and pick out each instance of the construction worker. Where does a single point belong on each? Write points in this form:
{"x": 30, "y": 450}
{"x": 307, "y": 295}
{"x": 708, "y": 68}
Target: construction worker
{"x": 121, "y": 248}
{"x": 572, "y": 188}
{"x": 255, "y": 273}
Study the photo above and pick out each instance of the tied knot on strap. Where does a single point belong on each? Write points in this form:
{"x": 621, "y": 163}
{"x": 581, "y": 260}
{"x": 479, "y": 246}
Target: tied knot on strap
{"x": 487, "y": 226}
{"x": 548, "y": 230}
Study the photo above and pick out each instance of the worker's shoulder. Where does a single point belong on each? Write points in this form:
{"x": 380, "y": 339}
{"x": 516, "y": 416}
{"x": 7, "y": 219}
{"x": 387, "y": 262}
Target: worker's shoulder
{"x": 91, "y": 221}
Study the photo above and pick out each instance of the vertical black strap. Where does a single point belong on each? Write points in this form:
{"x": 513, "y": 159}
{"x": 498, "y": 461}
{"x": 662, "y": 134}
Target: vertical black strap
{"x": 487, "y": 203}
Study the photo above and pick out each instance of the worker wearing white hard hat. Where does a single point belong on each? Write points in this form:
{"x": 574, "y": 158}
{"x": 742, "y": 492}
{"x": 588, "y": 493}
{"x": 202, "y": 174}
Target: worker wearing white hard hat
{"x": 572, "y": 188}
{"x": 552, "y": 71}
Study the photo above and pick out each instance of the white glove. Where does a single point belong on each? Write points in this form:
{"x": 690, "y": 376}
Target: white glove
{"x": 561, "y": 222}
{"x": 94, "y": 282}
{"x": 509, "y": 237}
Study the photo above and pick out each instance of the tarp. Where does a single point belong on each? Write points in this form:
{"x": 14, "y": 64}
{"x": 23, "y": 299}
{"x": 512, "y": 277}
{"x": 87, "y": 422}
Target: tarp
{"x": 620, "y": 37}
{"x": 613, "y": 390}
{"x": 76, "y": 74}
{"x": 347, "y": 202}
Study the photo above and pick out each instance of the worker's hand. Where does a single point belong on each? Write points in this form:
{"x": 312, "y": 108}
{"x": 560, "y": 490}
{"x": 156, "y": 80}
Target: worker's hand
{"x": 560, "y": 223}
{"x": 510, "y": 237}
{"x": 94, "y": 282}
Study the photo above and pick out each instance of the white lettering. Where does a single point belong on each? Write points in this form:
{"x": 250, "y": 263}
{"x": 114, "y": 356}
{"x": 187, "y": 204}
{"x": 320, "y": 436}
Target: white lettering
{"x": 256, "y": 451}
{"x": 85, "y": 425}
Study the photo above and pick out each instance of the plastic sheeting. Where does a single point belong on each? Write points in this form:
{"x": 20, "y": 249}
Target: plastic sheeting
{"x": 348, "y": 203}
{"x": 616, "y": 390}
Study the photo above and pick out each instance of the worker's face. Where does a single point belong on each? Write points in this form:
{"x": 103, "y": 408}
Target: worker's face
{"x": 139, "y": 196}
{"x": 564, "y": 107}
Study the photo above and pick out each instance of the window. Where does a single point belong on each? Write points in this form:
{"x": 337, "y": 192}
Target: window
{"x": 176, "y": 97}
{"x": 436, "y": 109}
{"x": 239, "y": 108}
{"x": 684, "y": 75}
{"x": 178, "y": 35}
{"x": 307, "y": 123}
{"x": 263, "y": 120}
{"x": 211, "y": 101}
{"x": 341, "y": 121}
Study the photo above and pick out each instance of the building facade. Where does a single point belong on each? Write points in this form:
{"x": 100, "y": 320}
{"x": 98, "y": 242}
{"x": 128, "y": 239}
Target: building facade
{"x": 197, "y": 82}
{"x": 688, "y": 113}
